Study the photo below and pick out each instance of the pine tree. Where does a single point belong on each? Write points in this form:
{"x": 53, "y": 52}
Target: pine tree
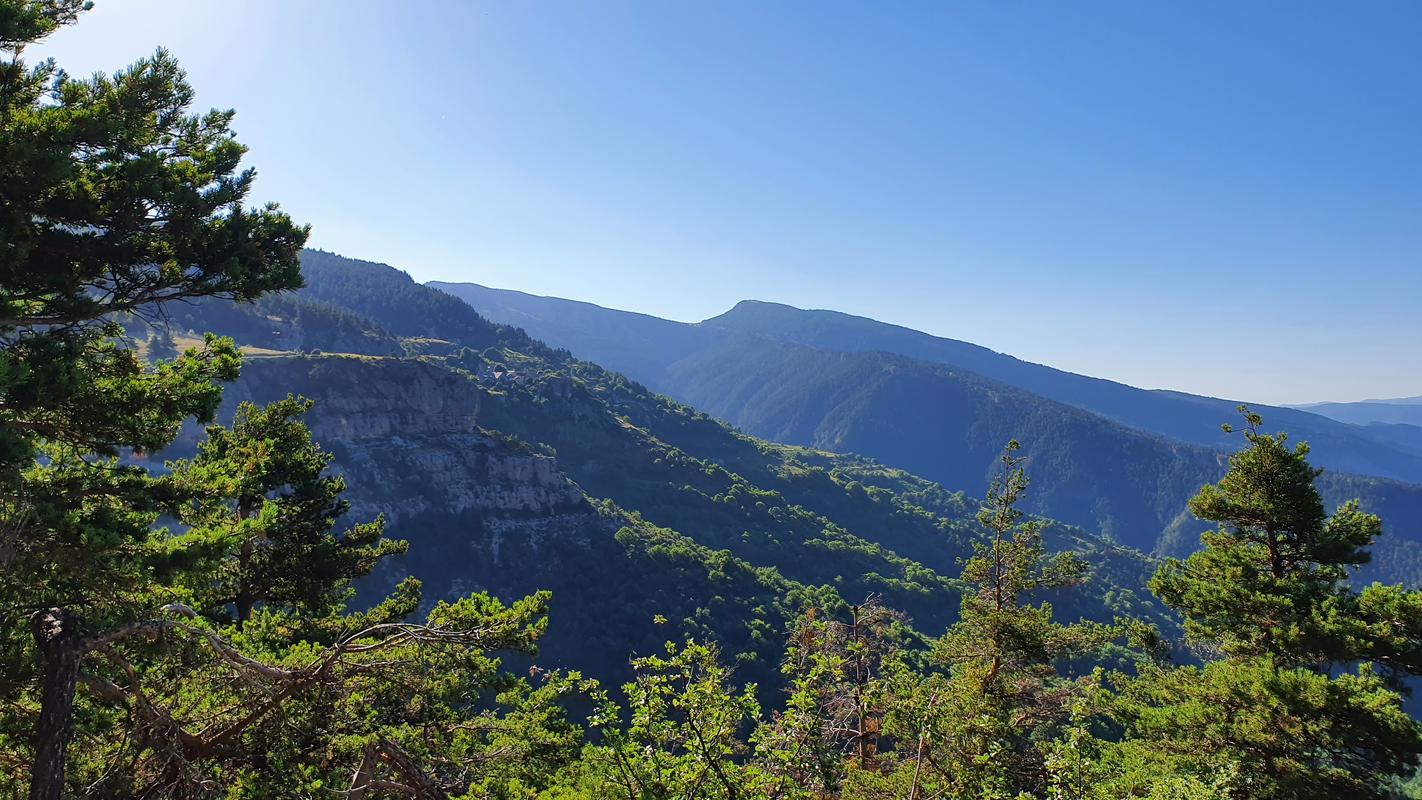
{"x": 1267, "y": 580}
{"x": 999, "y": 629}
{"x": 114, "y": 199}
{"x": 261, "y": 495}
{"x": 1297, "y": 697}
{"x": 979, "y": 724}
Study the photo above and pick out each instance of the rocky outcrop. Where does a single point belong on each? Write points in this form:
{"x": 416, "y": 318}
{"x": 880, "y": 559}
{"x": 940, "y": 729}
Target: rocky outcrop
{"x": 481, "y": 510}
{"x": 289, "y": 336}
{"x": 405, "y": 434}
{"x": 557, "y": 387}
{"x": 365, "y": 398}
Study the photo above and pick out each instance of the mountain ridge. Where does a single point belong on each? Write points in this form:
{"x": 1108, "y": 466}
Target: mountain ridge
{"x": 1170, "y": 413}
{"x": 1401, "y": 411}
{"x": 939, "y": 420}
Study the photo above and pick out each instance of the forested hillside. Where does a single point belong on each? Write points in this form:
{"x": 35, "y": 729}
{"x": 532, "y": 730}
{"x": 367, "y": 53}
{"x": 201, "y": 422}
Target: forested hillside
{"x": 945, "y": 421}
{"x": 645, "y": 346}
{"x": 1176, "y": 415}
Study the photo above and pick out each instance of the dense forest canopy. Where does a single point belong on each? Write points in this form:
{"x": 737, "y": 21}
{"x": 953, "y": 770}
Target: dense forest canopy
{"x": 223, "y": 623}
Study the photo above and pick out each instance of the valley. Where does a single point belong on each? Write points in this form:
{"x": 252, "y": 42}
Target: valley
{"x": 512, "y": 466}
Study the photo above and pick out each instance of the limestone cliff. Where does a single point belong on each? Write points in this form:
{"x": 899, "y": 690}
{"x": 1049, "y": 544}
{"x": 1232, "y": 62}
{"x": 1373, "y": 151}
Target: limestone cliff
{"x": 406, "y": 435}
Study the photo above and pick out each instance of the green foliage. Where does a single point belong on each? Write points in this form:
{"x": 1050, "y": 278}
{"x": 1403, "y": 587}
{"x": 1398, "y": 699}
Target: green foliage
{"x": 209, "y": 711}
{"x": 994, "y": 713}
{"x": 682, "y": 738}
{"x": 261, "y": 497}
{"x": 1273, "y": 579}
{"x": 23, "y": 23}
{"x": 1268, "y": 597}
{"x": 997, "y": 629}
{"x": 1279, "y": 731}
{"x": 828, "y": 706}
{"x": 117, "y": 199}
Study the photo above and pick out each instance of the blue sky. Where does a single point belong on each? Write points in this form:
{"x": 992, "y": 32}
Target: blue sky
{"x": 1219, "y": 198}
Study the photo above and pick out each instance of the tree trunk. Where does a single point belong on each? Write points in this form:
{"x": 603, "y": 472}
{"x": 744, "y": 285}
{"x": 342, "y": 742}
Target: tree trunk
{"x": 1276, "y": 561}
{"x": 991, "y": 677}
{"x": 246, "y": 598}
{"x": 56, "y": 634}
{"x": 424, "y": 788}
{"x": 364, "y": 774}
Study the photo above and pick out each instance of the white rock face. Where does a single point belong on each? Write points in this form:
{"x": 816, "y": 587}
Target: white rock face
{"x": 405, "y": 435}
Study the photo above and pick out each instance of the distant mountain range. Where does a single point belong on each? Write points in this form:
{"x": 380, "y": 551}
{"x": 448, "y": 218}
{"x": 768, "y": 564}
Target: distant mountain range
{"x": 1398, "y": 420}
{"x": 1398, "y": 411}
{"x": 1105, "y": 455}
{"x": 1386, "y": 401}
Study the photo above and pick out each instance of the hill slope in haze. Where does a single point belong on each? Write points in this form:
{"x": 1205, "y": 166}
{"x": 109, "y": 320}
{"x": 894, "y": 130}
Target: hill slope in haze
{"x": 643, "y": 346}
{"x": 1399, "y": 411}
{"x": 1176, "y": 415}
{"x": 752, "y": 368}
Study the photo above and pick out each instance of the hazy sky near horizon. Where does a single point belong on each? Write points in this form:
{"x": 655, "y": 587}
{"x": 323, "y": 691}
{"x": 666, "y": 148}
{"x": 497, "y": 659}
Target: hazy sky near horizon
{"x": 1218, "y": 198}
